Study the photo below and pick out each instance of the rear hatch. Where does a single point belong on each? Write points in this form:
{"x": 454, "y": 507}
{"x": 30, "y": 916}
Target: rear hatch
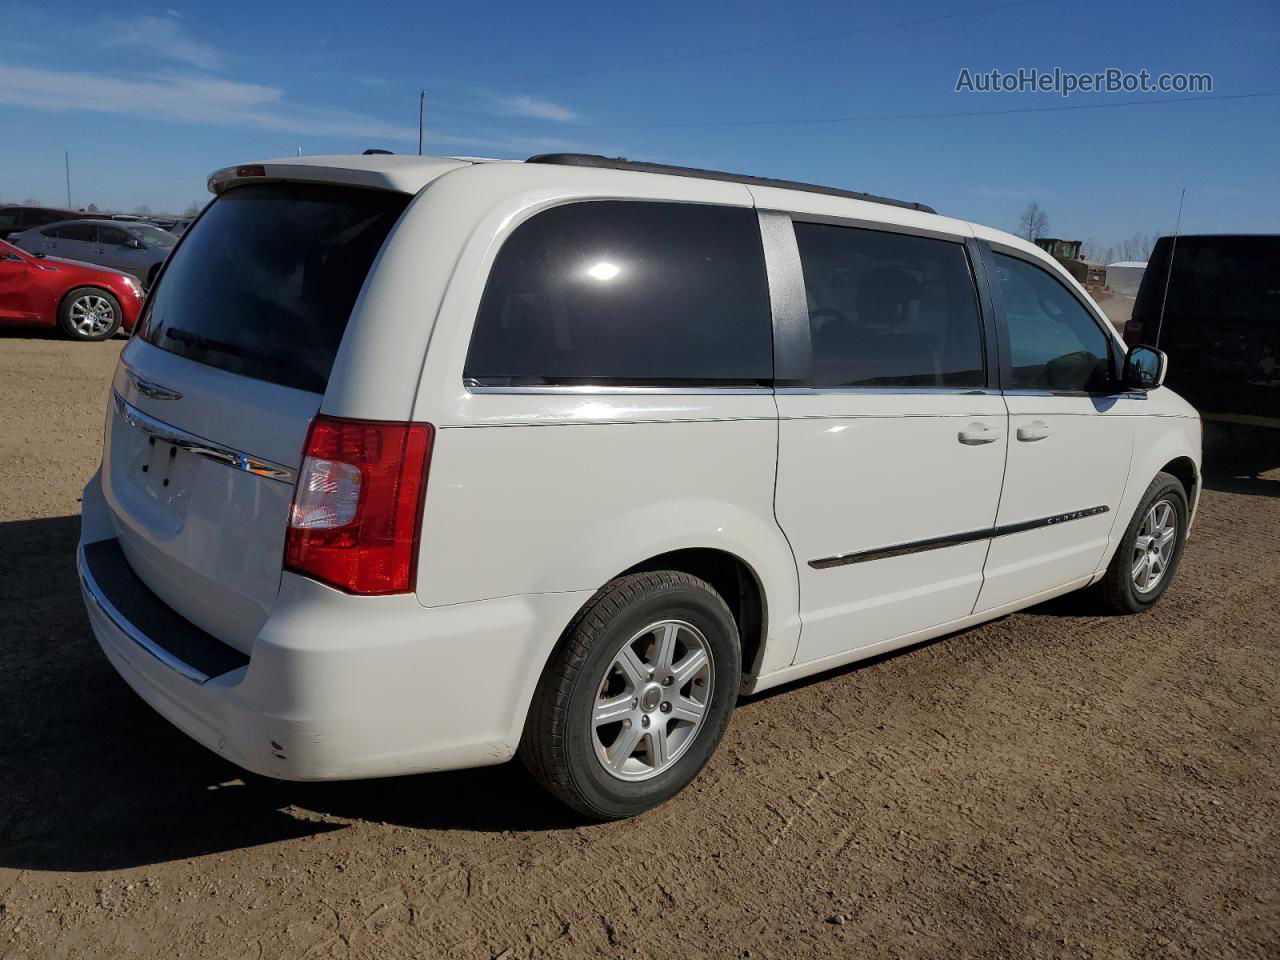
{"x": 215, "y": 393}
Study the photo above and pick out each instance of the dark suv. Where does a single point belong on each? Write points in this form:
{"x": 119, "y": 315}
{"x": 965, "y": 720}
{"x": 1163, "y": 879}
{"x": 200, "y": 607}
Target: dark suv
{"x": 14, "y": 219}
{"x": 1220, "y": 301}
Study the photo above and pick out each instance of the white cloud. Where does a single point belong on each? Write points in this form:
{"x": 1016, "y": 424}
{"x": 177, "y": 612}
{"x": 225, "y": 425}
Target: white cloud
{"x": 199, "y": 98}
{"x": 536, "y": 108}
{"x": 187, "y": 98}
{"x": 162, "y": 38}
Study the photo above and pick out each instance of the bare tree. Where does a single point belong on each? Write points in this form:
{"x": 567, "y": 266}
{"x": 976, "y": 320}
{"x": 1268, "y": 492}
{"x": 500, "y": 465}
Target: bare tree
{"x": 142, "y": 209}
{"x": 31, "y": 202}
{"x": 1034, "y": 222}
{"x": 191, "y": 211}
{"x": 1137, "y": 247}
{"x": 91, "y": 208}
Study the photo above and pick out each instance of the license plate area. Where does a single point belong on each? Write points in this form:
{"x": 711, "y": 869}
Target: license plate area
{"x": 164, "y": 470}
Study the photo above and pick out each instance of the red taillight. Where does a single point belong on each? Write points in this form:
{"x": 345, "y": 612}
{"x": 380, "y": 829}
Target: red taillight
{"x": 1132, "y": 332}
{"x": 251, "y": 170}
{"x": 357, "y": 510}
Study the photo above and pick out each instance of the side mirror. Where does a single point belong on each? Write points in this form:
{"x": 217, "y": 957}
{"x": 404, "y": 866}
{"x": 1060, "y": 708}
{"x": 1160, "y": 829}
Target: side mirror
{"x": 1145, "y": 368}
{"x": 133, "y": 244}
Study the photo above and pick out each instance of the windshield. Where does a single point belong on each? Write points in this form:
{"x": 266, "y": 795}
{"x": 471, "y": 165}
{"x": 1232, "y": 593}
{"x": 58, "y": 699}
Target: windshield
{"x": 264, "y": 283}
{"x": 154, "y": 236}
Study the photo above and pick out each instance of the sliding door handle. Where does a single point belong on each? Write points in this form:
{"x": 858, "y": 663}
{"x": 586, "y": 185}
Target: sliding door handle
{"x": 1035, "y": 430}
{"x": 978, "y": 433}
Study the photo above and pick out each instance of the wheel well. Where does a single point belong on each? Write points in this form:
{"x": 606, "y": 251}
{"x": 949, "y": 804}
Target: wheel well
{"x": 1185, "y": 470}
{"x": 733, "y": 580}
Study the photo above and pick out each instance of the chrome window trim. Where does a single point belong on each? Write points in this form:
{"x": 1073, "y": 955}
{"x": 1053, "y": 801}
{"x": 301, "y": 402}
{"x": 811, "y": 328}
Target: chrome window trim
{"x": 108, "y": 609}
{"x": 552, "y": 389}
{"x": 890, "y": 391}
{"x": 227, "y": 456}
{"x": 605, "y": 390}
{"x": 953, "y": 539}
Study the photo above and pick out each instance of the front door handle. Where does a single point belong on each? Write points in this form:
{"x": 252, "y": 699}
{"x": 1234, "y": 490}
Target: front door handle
{"x": 978, "y": 433}
{"x": 1035, "y": 430}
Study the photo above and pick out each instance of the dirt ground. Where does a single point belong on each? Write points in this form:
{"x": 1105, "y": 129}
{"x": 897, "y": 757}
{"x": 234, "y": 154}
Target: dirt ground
{"x": 1054, "y": 784}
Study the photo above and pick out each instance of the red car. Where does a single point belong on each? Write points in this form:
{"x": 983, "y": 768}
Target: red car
{"x": 86, "y": 302}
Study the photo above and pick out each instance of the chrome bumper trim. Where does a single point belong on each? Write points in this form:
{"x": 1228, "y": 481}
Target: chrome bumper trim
{"x": 236, "y": 459}
{"x": 118, "y": 620}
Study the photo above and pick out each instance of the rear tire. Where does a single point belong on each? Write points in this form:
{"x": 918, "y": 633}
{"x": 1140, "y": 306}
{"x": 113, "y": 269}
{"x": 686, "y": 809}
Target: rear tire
{"x": 1148, "y": 555}
{"x": 613, "y": 734}
{"x": 89, "y": 313}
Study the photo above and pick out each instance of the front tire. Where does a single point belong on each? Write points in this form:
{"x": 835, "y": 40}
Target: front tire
{"x": 89, "y": 313}
{"x": 637, "y": 696}
{"x": 1148, "y": 555}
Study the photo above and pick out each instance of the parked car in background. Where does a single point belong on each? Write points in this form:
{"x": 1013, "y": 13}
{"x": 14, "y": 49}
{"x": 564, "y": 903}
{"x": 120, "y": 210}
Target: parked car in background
{"x": 14, "y": 219}
{"x": 135, "y": 248}
{"x": 1212, "y": 303}
{"x": 417, "y": 464}
{"x": 84, "y": 301}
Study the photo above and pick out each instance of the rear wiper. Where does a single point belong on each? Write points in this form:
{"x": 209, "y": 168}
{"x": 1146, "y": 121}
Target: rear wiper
{"x": 219, "y": 346}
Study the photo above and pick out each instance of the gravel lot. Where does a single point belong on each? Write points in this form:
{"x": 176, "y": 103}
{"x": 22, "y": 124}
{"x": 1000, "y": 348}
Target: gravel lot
{"x": 1057, "y": 783}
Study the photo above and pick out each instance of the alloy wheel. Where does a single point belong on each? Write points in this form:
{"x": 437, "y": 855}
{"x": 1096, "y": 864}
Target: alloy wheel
{"x": 1153, "y": 547}
{"x": 652, "y": 700}
{"x": 92, "y": 315}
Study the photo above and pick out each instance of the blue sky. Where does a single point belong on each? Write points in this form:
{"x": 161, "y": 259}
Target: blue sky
{"x": 149, "y": 98}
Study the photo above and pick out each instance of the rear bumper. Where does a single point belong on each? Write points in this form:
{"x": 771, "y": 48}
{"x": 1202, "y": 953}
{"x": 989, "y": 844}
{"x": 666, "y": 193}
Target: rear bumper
{"x": 342, "y": 687}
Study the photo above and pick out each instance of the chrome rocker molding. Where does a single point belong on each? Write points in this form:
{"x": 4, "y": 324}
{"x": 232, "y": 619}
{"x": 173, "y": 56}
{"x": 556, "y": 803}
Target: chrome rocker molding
{"x": 953, "y": 539}
{"x": 236, "y": 459}
{"x": 128, "y": 629}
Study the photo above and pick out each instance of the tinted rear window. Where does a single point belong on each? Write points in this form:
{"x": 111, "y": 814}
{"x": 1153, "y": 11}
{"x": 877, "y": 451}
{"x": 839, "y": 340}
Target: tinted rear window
{"x": 264, "y": 283}
{"x": 1214, "y": 279}
{"x": 627, "y": 293}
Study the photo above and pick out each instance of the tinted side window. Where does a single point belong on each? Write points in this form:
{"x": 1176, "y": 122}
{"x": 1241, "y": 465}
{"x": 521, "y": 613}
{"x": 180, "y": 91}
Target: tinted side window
{"x": 627, "y": 292}
{"x": 8, "y": 218}
{"x": 76, "y": 231}
{"x": 112, "y": 235}
{"x": 889, "y": 310}
{"x": 1054, "y": 342}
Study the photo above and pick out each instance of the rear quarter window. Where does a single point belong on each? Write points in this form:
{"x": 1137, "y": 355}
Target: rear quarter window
{"x": 263, "y": 285}
{"x": 626, "y": 293}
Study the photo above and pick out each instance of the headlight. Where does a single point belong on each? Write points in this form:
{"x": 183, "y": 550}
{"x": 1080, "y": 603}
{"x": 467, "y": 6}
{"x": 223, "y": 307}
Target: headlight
{"x": 135, "y": 286}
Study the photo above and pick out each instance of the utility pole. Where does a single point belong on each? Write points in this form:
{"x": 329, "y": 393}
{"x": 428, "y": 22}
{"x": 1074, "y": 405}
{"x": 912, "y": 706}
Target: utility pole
{"x": 422, "y": 99}
{"x": 66, "y": 161}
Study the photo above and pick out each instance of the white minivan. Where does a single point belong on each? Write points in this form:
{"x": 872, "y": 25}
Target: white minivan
{"x": 416, "y": 464}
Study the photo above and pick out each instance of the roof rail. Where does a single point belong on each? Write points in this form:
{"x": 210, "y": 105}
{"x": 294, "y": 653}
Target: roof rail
{"x": 621, "y": 163}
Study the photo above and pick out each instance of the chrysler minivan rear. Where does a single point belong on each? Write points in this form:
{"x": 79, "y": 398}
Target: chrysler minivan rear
{"x": 249, "y": 544}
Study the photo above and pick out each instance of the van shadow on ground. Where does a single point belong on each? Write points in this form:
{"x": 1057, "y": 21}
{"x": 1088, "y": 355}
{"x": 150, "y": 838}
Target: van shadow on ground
{"x": 93, "y": 779}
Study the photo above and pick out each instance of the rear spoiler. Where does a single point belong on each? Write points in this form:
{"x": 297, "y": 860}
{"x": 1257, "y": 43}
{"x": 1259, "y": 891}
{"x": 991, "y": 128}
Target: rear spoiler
{"x": 379, "y": 172}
